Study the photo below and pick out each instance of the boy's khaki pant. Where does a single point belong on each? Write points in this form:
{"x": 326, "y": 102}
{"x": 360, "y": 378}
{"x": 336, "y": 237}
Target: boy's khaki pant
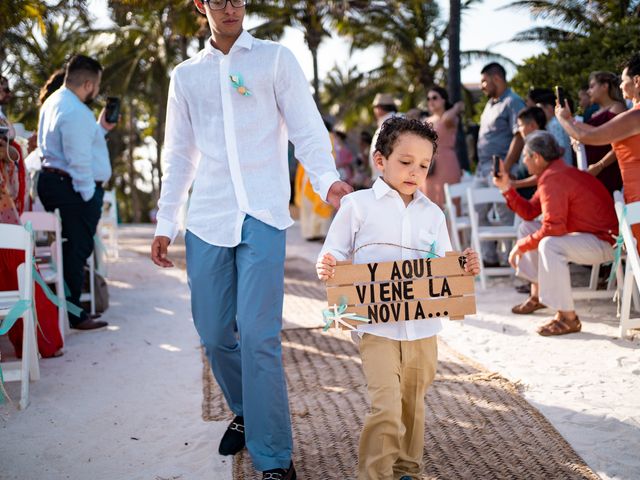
{"x": 398, "y": 374}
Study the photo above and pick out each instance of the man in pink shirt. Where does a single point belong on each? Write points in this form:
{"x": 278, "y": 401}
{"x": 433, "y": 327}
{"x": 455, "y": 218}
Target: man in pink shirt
{"x": 578, "y": 225}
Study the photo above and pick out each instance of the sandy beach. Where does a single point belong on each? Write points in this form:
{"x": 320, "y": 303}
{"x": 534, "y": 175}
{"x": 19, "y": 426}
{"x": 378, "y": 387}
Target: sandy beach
{"x": 125, "y": 402}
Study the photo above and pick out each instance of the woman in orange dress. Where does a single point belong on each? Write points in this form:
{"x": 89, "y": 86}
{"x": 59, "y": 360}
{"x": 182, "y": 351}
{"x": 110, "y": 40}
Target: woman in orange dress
{"x": 622, "y": 132}
{"x": 445, "y": 167}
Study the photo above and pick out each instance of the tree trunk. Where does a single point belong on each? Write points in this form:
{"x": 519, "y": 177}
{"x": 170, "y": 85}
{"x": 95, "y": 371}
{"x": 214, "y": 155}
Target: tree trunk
{"x": 161, "y": 113}
{"x": 454, "y": 82}
{"x": 316, "y": 80}
{"x": 135, "y": 203}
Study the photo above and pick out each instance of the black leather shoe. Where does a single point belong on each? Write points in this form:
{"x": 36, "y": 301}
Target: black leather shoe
{"x": 280, "y": 474}
{"x": 233, "y": 439}
{"x": 89, "y": 324}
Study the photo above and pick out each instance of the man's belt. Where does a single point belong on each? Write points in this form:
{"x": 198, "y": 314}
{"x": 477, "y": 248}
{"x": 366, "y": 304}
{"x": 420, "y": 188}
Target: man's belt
{"x": 62, "y": 173}
{"x": 56, "y": 171}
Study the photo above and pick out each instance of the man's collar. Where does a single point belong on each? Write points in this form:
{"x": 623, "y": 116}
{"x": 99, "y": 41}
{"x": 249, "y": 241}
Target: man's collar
{"x": 504, "y": 95}
{"x": 245, "y": 40}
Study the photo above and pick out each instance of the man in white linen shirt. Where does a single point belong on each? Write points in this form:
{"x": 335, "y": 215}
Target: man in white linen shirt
{"x": 73, "y": 149}
{"x": 231, "y": 110}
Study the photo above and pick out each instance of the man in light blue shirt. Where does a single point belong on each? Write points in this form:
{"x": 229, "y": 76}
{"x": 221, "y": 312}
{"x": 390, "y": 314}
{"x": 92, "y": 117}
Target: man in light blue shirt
{"x": 75, "y": 163}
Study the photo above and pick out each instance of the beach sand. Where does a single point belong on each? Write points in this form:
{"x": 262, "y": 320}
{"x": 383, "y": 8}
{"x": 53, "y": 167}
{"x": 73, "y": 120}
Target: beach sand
{"x": 125, "y": 402}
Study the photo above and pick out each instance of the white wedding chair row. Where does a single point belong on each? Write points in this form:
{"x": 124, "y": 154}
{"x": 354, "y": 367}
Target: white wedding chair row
{"x": 18, "y": 238}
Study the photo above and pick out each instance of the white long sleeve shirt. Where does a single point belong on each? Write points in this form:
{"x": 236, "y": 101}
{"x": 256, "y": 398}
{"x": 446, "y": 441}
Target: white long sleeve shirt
{"x": 234, "y": 145}
{"x": 378, "y": 215}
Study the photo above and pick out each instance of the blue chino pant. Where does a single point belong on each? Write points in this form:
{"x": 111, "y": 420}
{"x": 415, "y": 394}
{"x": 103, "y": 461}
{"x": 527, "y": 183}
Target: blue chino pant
{"x": 236, "y": 301}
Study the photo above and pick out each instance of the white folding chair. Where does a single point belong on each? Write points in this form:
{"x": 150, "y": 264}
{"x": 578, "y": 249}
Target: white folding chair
{"x": 18, "y": 238}
{"x": 628, "y": 215}
{"x": 458, "y": 224}
{"x": 51, "y": 270}
{"x": 90, "y": 296}
{"x": 481, "y": 233}
{"x": 108, "y": 226}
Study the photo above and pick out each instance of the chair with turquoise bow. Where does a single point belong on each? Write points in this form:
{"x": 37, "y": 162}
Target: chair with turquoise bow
{"x": 628, "y": 215}
{"x": 50, "y": 258}
{"x": 20, "y": 304}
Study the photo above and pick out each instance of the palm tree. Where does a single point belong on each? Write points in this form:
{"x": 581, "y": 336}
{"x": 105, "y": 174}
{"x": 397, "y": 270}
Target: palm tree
{"x": 34, "y": 50}
{"x": 454, "y": 81}
{"x": 152, "y": 38}
{"x": 315, "y": 19}
{"x": 573, "y": 18}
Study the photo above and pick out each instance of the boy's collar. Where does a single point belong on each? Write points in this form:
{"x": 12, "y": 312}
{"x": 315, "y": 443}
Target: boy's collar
{"x": 381, "y": 188}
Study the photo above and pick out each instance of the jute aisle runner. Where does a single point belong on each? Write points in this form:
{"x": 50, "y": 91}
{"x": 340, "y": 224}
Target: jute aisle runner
{"x": 478, "y": 425}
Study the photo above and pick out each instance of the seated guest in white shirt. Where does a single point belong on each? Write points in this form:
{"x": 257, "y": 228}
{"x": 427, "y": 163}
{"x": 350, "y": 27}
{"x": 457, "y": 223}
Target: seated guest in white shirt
{"x": 384, "y": 223}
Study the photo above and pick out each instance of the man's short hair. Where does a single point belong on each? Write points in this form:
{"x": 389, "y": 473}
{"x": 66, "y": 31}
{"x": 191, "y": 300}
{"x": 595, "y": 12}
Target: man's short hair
{"x": 533, "y": 114}
{"x": 535, "y": 94}
{"x": 495, "y": 68}
{"x": 81, "y": 68}
{"x": 544, "y": 144}
{"x": 633, "y": 64}
{"x": 547, "y": 98}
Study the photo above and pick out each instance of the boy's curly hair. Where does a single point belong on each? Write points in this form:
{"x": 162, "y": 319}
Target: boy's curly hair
{"x": 393, "y": 127}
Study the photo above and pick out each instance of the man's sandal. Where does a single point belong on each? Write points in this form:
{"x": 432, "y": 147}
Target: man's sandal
{"x": 530, "y": 305}
{"x": 560, "y": 326}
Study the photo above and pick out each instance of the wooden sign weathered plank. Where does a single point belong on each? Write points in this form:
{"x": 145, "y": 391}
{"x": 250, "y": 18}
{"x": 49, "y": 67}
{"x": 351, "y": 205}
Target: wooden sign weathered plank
{"x": 403, "y": 290}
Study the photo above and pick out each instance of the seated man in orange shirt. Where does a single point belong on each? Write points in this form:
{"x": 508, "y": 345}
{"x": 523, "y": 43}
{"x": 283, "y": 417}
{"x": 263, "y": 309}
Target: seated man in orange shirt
{"x": 578, "y": 225}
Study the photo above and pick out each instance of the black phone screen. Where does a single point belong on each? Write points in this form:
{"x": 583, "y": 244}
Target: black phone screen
{"x": 112, "y": 109}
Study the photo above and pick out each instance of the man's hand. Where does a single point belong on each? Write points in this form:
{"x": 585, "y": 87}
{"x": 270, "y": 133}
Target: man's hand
{"x": 159, "y": 251}
{"x": 325, "y": 267}
{"x": 337, "y": 191}
{"x": 103, "y": 121}
{"x": 473, "y": 262}
{"x": 502, "y": 182}
{"x": 514, "y": 256}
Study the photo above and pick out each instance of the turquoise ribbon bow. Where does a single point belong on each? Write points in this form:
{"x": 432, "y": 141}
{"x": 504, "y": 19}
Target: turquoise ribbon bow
{"x": 238, "y": 83}
{"x": 618, "y": 247}
{"x": 335, "y": 315}
{"x": 432, "y": 251}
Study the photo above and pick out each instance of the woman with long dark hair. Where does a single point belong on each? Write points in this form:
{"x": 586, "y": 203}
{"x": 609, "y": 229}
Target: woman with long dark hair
{"x": 445, "y": 166}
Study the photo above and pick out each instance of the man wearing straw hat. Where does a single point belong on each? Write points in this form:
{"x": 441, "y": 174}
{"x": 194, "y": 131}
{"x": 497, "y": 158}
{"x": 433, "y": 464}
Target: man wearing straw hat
{"x": 384, "y": 107}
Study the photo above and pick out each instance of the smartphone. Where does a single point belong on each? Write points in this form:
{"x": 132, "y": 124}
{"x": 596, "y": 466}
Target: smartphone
{"x": 496, "y": 165}
{"x": 112, "y": 109}
{"x": 560, "y": 95}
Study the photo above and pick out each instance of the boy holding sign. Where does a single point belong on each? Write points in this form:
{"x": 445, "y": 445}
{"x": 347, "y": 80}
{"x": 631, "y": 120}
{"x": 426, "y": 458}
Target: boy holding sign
{"x": 394, "y": 220}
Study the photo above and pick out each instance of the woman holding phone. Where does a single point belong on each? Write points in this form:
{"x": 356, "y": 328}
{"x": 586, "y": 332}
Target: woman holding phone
{"x": 622, "y": 132}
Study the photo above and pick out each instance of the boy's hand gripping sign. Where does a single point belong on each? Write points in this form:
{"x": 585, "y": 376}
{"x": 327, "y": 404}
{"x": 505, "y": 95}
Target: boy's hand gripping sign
{"x": 397, "y": 291}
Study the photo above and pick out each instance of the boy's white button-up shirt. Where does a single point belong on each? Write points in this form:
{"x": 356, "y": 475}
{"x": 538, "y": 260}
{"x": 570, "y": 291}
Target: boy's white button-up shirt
{"x": 378, "y": 215}
{"x": 234, "y": 145}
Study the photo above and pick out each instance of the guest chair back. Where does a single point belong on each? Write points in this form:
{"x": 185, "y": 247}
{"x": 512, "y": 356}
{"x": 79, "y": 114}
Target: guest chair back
{"x": 481, "y": 233}
{"x": 50, "y": 258}
{"x": 628, "y": 215}
{"x": 18, "y": 238}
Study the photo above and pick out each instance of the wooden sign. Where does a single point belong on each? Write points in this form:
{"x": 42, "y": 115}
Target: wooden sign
{"x": 403, "y": 290}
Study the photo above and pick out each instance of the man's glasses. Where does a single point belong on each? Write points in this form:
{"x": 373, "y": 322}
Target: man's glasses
{"x": 222, "y": 4}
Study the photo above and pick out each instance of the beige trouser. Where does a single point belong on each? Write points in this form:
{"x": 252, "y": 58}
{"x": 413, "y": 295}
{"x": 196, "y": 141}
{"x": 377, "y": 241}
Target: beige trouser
{"x": 398, "y": 374}
{"x": 549, "y": 264}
